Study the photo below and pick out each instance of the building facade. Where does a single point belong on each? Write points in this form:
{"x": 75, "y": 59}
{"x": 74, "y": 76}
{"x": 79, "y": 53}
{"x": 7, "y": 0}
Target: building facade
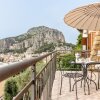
{"x": 91, "y": 42}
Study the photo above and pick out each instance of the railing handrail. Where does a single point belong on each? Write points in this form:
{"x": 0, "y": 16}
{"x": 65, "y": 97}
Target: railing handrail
{"x": 76, "y": 50}
{"x": 12, "y": 69}
{"x": 44, "y": 67}
{"x": 23, "y": 90}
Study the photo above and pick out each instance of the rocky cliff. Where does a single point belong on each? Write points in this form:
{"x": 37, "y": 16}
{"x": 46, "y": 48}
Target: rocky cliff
{"x": 32, "y": 39}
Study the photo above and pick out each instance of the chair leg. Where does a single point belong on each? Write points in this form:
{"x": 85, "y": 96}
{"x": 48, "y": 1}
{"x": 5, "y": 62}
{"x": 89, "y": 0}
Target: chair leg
{"x": 76, "y": 82}
{"x": 93, "y": 82}
{"x": 98, "y": 79}
{"x": 88, "y": 86}
{"x": 91, "y": 77}
{"x": 76, "y": 90}
{"x": 81, "y": 83}
{"x": 61, "y": 84}
{"x": 84, "y": 86}
{"x": 70, "y": 84}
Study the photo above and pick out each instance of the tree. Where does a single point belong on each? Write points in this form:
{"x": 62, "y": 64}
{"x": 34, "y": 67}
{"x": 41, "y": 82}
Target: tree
{"x": 46, "y": 47}
{"x": 11, "y": 89}
{"x": 65, "y": 62}
{"x": 78, "y": 44}
{"x": 23, "y": 78}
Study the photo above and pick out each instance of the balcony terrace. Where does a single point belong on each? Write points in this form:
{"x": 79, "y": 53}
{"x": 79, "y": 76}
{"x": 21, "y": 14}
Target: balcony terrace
{"x": 46, "y": 85}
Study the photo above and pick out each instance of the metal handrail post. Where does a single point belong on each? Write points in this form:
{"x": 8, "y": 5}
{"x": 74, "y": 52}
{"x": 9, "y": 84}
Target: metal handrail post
{"x": 33, "y": 87}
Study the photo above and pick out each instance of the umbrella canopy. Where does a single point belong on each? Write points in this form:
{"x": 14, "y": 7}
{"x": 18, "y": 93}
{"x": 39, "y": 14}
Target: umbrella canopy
{"x": 86, "y": 17}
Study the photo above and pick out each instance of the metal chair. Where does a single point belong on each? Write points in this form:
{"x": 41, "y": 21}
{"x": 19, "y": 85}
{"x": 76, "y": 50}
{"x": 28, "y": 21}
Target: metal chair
{"x": 95, "y": 69}
{"x": 71, "y": 75}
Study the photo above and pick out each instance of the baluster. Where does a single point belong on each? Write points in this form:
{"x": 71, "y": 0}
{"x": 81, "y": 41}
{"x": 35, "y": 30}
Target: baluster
{"x": 33, "y": 87}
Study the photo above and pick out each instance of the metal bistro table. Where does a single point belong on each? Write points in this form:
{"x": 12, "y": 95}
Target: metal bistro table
{"x": 84, "y": 77}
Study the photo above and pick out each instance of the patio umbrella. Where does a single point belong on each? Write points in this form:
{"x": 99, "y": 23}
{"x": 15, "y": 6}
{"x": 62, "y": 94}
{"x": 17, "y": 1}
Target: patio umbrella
{"x": 85, "y": 17}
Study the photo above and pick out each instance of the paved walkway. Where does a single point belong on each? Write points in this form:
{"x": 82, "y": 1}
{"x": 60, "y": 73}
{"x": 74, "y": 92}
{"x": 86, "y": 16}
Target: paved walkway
{"x": 66, "y": 95}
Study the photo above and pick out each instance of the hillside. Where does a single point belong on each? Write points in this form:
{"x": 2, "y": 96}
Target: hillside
{"x": 32, "y": 40}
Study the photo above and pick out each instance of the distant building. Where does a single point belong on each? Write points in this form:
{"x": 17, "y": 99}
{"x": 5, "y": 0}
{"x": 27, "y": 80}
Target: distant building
{"x": 63, "y": 48}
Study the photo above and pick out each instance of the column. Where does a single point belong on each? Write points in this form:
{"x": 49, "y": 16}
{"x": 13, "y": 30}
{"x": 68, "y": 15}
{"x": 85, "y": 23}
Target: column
{"x": 85, "y": 40}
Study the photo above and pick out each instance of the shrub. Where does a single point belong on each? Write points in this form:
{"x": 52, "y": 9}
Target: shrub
{"x": 78, "y": 44}
{"x": 65, "y": 62}
{"x": 23, "y": 78}
{"x": 11, "y": 89}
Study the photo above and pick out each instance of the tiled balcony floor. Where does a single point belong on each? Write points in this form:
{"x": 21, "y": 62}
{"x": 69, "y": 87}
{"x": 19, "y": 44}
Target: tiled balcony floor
{"x": 66, "y": 95}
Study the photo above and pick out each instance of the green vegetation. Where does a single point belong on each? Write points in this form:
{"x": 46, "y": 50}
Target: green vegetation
{"x": 11, "y": 89}
{"x": 78, "y": 44}
{"x": 22, "y": 50}
{"x": 60, "y": 43}
{"x": 15, "y": 84}
{"x": 7, "y": 50}
{"x": 23, "y": 78}
{"x": 69, "y": 44}
{"x": 64, "y": 62}
{"x": 23, "y": 37}
{"x": 39, "y": 66}
{"x": 46, "y": 47}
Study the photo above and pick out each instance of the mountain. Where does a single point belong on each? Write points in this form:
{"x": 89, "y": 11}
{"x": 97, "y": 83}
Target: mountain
{"x": 32, "y": 40}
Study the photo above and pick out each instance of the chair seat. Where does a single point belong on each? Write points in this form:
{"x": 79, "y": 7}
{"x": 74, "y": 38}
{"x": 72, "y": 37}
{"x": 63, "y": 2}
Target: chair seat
{"x": 73, "y": 75}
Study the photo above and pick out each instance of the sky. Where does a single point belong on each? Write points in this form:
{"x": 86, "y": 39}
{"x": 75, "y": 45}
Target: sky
{"x": 17, "y": 16}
